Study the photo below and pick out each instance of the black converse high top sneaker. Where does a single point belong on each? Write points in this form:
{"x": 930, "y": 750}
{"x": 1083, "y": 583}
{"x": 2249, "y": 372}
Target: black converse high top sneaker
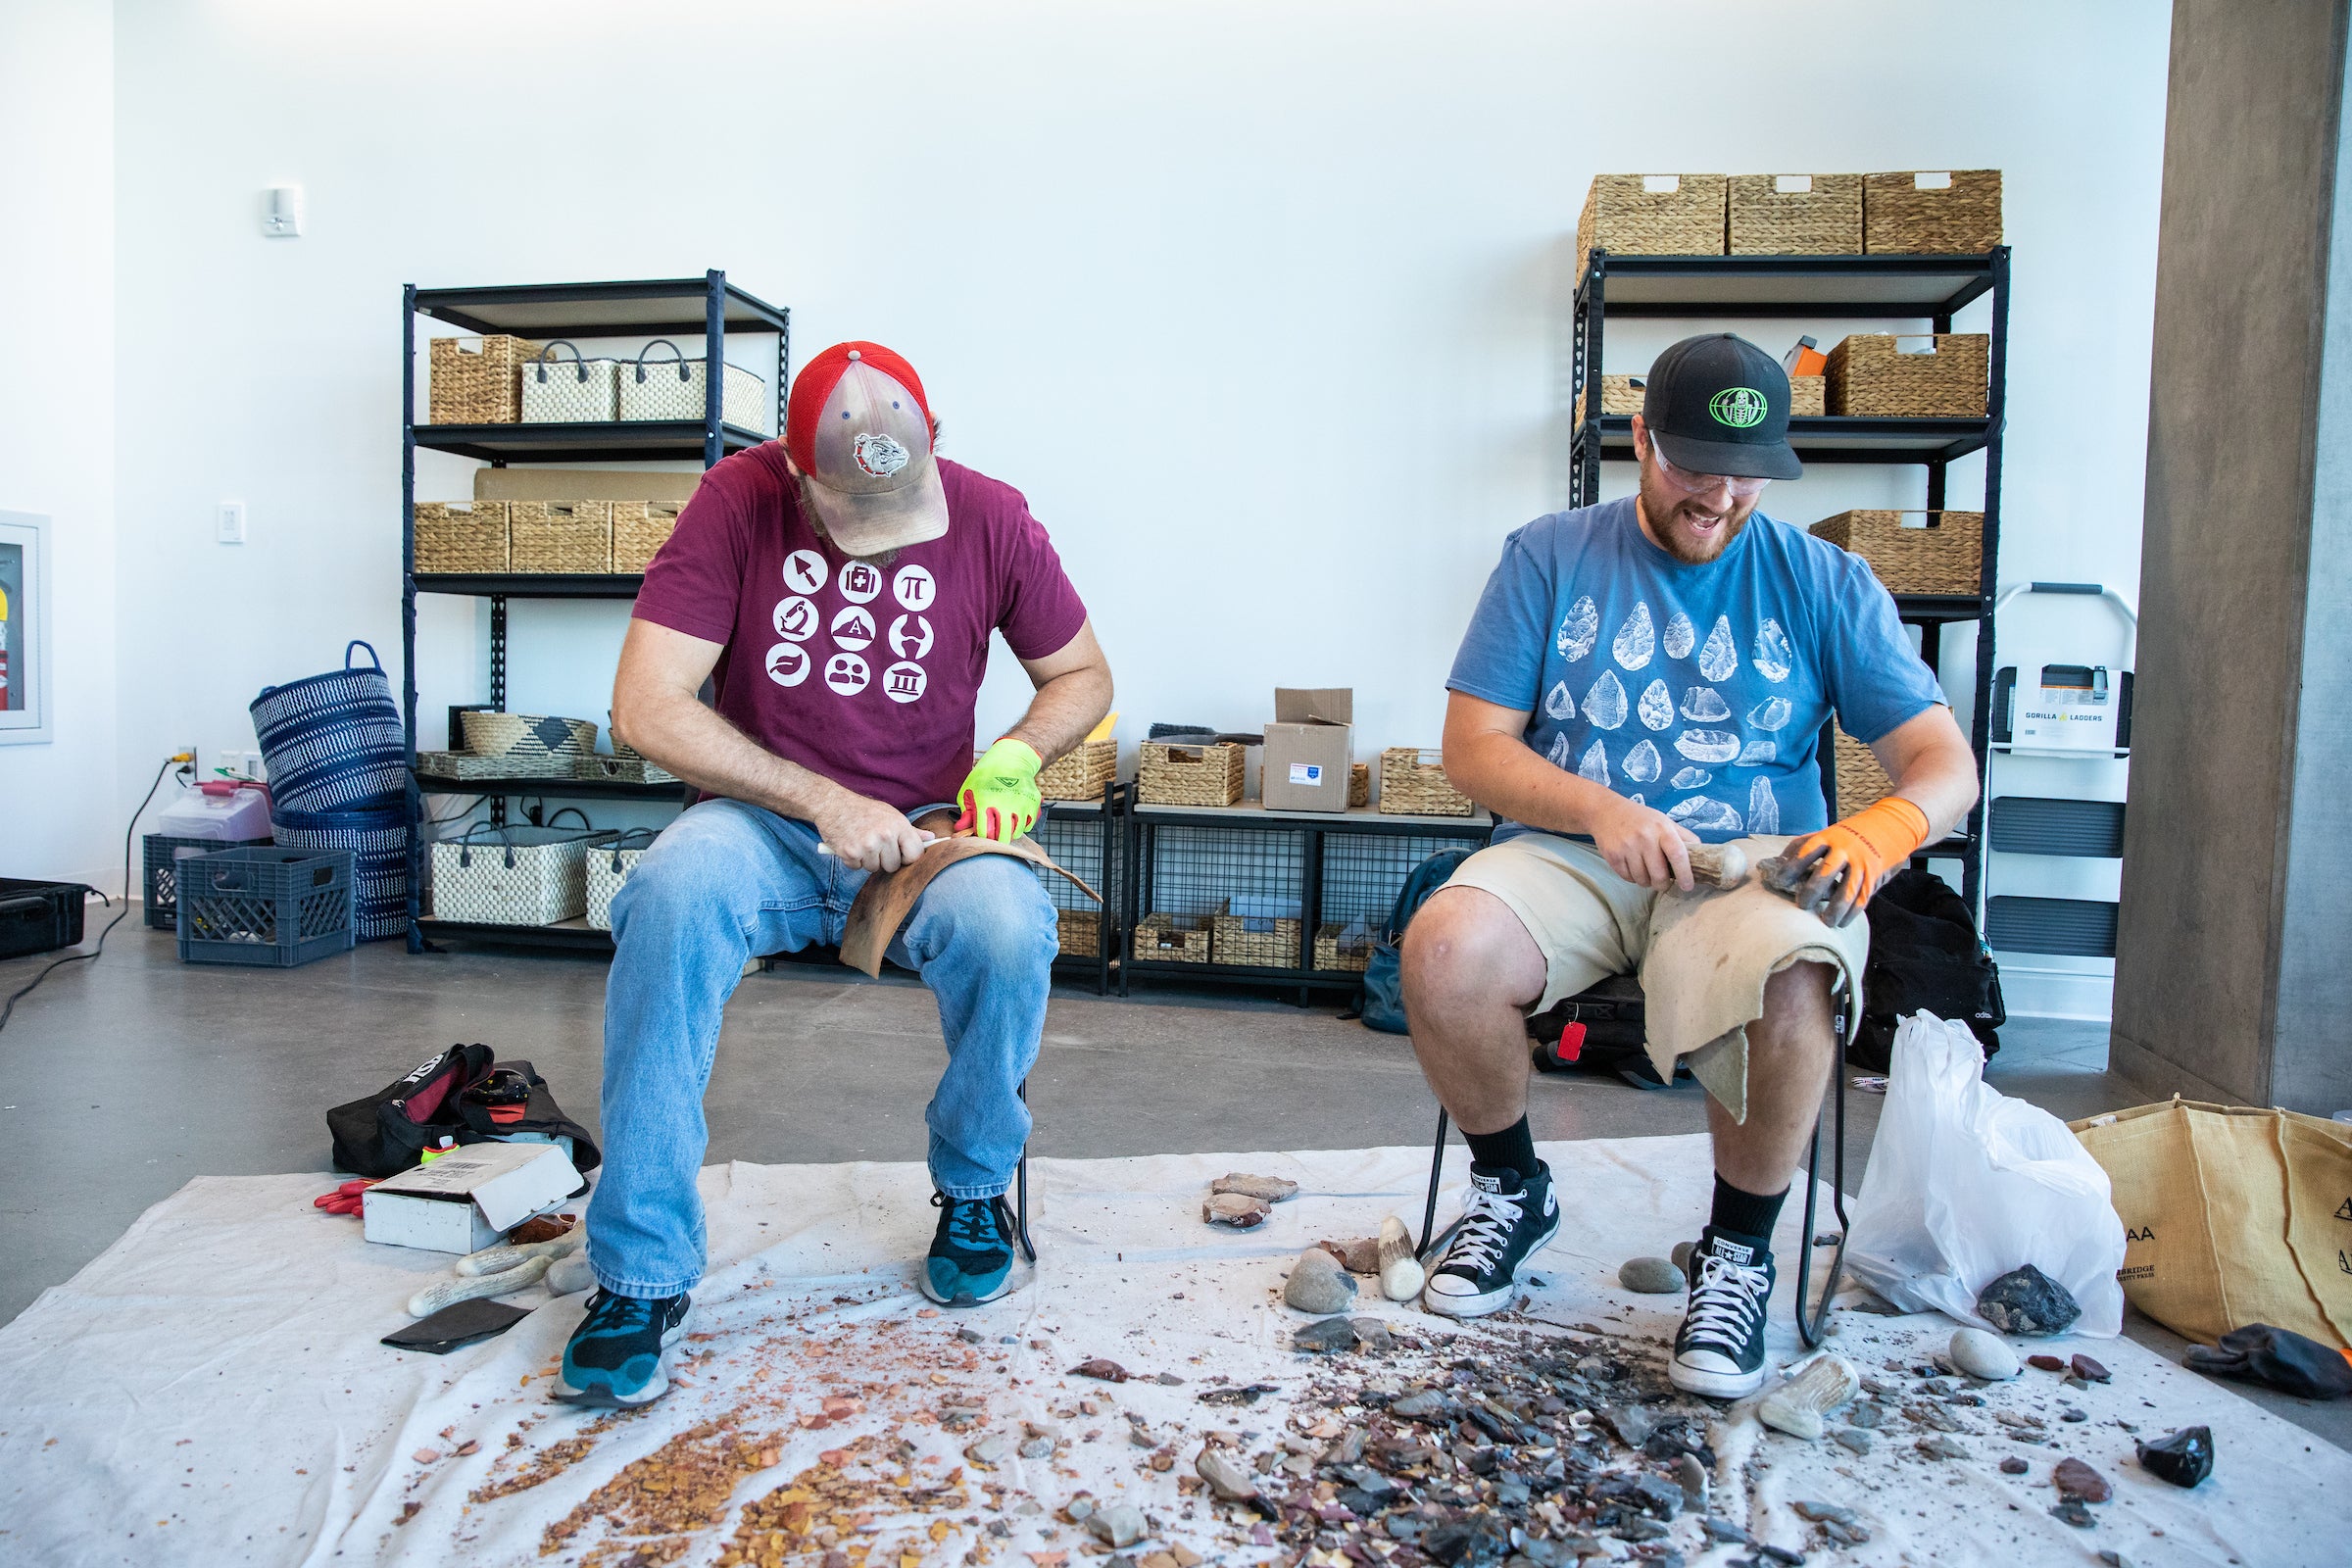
{"x": 1719, "y": 1354}
{"x": 1506, "y": 1218}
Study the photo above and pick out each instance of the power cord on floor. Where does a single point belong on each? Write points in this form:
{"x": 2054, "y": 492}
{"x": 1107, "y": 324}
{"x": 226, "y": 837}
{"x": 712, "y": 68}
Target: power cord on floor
{"x": 183, "y": 760}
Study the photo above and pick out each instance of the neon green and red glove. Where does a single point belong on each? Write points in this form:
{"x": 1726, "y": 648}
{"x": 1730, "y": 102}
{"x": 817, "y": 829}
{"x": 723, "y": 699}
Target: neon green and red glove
{"x": 999, "y": 797}
{"x": 1836, "y": 870}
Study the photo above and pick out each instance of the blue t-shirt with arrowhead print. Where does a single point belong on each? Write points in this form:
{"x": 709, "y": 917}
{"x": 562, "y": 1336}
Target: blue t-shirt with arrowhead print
{"x": 1701, "y": 691}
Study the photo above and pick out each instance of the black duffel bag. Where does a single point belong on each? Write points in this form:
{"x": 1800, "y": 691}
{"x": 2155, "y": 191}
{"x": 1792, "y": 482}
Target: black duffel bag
{"x": 1924, "y": 953}
{"x": 385, "y": 1132}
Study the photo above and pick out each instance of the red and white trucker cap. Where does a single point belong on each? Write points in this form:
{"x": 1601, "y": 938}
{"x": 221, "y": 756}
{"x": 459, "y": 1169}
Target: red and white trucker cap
{"x": 859, "y": 427}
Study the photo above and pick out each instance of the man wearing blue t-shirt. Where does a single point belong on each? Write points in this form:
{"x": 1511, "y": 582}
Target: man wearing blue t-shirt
{"x": 1642, "y": 675}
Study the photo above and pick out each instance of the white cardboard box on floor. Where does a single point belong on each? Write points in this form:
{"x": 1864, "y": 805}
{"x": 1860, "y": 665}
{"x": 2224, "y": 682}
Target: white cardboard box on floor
{"x": 468, "y": 1198}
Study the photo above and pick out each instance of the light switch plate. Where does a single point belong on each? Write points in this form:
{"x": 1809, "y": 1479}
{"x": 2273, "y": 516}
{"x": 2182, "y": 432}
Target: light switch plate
{"x": 229, "y": 523}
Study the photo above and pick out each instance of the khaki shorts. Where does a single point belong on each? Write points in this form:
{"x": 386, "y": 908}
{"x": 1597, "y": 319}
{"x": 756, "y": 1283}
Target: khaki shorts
{"x": 1703, "y": 957}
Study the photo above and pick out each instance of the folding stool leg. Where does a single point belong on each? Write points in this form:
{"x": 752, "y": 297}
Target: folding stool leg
{"x": 1437, "y": 1160}
{"x": 1811, "y": 1319}
{"x": 1020, "y": 1180}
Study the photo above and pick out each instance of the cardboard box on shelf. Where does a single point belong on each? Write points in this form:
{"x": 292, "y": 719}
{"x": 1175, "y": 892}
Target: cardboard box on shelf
{"x": 468, "y": 1198}
{"x": 1307, "y": 755}
{"x": 583, "y": 485}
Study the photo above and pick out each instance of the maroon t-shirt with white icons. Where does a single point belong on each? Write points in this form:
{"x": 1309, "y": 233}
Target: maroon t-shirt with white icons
{"x": 866, "y": 673}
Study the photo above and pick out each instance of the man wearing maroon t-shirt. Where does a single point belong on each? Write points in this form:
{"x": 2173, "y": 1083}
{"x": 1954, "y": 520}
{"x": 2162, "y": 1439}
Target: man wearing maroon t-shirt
{"x": 838, "y": 590}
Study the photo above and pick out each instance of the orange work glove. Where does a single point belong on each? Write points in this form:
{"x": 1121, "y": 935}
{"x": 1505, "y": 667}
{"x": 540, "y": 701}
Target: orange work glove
{"x": 1834, "y": 871}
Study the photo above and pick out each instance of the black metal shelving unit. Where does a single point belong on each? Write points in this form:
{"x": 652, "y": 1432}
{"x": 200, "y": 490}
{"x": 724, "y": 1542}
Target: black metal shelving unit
{"x": 708, "y": 305}
{"x": 1186, "y": 854}
{"x": 1862, "y": 288}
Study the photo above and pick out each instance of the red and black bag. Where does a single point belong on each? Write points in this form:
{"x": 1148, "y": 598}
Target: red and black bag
{"x": 385, "y": 1132}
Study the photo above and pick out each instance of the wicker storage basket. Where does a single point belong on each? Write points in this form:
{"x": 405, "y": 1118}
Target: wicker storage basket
{"x": 1344, "y": 948}
{"x": 1622, "y": 394}
{"x": 560, "y": 536}
{"x": 525, "y": 735}
{"x": 621, "y": 770}
{"x": 568, "y": 391}
{"x": 1082, "y": 774}
{"x": 1651, "y": 215}
{"x": 462, "y": 536}
{"x": 1913, "y": 552}
{"x": 1359, "y": 785}
{"x": 1081, "y": 933}
{"x": 1861, "y": 781}
{"x": 1927, "y": 377}
{"x": 511, "y": 876}
{"x": 1412, "y": 783}
{"x": 1189, "y": 775}
{"x": 478, "y": 381}
{"x": 672, "y": 388}
{"x": 1953, "y": 214}
{"x": 640, "y": 529}
{"x": 1795, "y": 215}
{"x": 1258, "y": 931}
{"x": 473, "y": 765}
{"x": 608, "y": 867}
{"x": 1172, "y": 939}
{"x": 1808, "y": 395}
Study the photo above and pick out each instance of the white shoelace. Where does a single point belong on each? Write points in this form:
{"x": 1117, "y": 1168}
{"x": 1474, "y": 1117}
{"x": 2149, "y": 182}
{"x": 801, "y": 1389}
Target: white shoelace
{"x": 1487, "y": 1221}
{"x": 1727, "y": 1298}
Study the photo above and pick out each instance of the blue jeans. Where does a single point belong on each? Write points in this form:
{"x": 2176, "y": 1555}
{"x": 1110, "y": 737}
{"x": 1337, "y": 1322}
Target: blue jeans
{"x": 727, "y": 881}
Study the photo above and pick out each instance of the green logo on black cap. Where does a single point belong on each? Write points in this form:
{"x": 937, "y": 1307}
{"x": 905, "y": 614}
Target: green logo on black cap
{"x": 1739, "y": 407}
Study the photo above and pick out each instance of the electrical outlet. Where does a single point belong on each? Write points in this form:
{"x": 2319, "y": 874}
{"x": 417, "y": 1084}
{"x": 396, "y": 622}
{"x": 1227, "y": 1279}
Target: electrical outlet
{"x": 195, "y": 763}
{"x": 244, "y": 764}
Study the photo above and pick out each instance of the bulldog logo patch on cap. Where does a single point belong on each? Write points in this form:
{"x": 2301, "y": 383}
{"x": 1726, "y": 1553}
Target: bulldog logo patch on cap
{"x": 878, "y": 455}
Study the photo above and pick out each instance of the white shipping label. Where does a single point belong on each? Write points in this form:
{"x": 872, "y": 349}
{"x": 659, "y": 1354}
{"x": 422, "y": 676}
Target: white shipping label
{"x": 1792, "y": 185}
{"x": 1937, "y": 181}
{"x": 1307, "y": 773}
{"x": 1661, "y": 184}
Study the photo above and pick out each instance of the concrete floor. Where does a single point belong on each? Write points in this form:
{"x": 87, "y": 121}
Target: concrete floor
{"x": 122, "y": 1080}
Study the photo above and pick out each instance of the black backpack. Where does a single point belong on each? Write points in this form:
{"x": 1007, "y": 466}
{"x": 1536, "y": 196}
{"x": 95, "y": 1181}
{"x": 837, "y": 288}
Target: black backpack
{"x": 385, "y": 1132}
{"x": 1380, "y": 1003}
{"x": 1924, "y": 953}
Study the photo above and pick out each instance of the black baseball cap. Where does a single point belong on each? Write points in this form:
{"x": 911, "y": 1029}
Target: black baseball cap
{"x": 1718, "y": 404}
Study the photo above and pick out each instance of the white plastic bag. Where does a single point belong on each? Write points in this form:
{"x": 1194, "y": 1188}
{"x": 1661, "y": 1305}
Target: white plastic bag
{"x": 1966, "y": 1184}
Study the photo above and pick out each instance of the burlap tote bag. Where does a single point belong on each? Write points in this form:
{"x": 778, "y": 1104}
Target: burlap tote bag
{"x": 2231, "y": 1215}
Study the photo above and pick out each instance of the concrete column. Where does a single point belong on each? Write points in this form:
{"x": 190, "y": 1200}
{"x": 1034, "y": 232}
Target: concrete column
{"x": 2233, "y": 968}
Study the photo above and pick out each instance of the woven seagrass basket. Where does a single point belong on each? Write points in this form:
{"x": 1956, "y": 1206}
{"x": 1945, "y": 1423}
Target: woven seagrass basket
{"x": 1622, "y": 394}
{"x": 1928, "y": 376}
{"x": 1347, "y": 948}
{"x": 1808, "y": 395}
{"x": 1082, "y": 774}
{"x": 1950, "y": 214}
{"x": 1412, "y": 783}
{"x": 621, "y": 770}
{"x": 473, "y": 765}
{"x": 608, "y": 866}
{"x": 1684, "y": 215}
{"x": 519, "y": 735}
{"x": 461, "y": 536}
{"x": 1255, "y": 931}
{"x": 1189, "y": 775}
{"x": 511, "y": 876}
{"x": 1795, "y": 215}
{"x": 1172, "y": 939}
{"x": 640, "y": 529}
{"x": 560, "y": 536}
{"x": 1359, "y": 785}
{"x": 478, "y": 381}
{"x": 1861, "y": 781}
{"x": 1913, "y": 552}
{"x": 1081, "y": 933}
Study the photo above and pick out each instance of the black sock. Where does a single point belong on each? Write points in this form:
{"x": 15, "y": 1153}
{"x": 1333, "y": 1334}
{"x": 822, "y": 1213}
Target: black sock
{"x": 1744, "y": 1214}
{"x": 1512, "y": 1148}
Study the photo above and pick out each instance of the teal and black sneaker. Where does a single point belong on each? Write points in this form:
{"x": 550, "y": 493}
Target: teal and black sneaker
{"x": 614, "y": 1356}
{"x": 971, "y": 1251}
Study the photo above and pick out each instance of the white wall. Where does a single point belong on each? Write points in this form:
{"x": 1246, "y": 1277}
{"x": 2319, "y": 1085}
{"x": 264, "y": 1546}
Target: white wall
{"x": 60, "y": 806}
{"x": 1264, "y": 306}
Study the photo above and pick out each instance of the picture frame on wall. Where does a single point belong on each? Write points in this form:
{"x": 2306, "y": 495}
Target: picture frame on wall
{"x": 25, "y": 717}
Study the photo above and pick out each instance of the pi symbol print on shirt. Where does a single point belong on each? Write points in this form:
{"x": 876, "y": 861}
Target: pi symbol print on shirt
{"x": 854, "y": 628}
{"x": 796, "y": 618}
{"x": 846, "y": 674}
{"x": 914, "y": 588}
{"x": 788, "y": 664}
{"x": 804, "y": 571}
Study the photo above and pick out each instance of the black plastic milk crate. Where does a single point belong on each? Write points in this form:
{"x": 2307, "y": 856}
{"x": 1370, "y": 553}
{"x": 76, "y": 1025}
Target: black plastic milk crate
{"x": 267, "y": 908}
{"x": 162, "y": 853}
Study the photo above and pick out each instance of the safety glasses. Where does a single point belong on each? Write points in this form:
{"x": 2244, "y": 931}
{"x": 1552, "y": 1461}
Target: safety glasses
{"x": 1694, "y": 484}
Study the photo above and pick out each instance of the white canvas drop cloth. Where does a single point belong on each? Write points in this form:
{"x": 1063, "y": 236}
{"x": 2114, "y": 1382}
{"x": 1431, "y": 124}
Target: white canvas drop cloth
{"x": 211, "y": 1390}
